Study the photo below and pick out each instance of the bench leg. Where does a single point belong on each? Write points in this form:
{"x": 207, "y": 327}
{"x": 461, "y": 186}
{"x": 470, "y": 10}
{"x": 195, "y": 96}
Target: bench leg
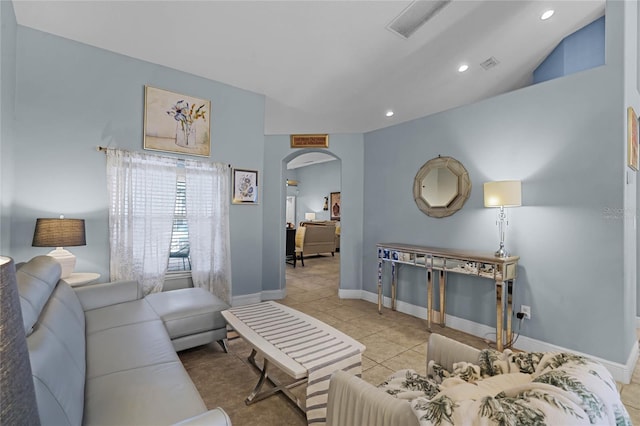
{"x": 223, "y": 343}
{"x": 256, "y": 395}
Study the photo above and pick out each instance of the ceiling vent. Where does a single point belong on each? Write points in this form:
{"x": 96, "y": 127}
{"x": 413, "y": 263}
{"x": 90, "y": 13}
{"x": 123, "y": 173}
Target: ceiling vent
{"x": 489, "y": 63}
{"x": 415, "y": 15}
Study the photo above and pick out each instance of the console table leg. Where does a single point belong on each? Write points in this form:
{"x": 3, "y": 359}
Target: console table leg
{"x": 394, "y": 279}
{"x": 429, "y": 298}
{"x": 509, "y": 337}
{"x": 379, "y": 285}
{"x": 443, "y": 291}
{"x": 499, "y": 314}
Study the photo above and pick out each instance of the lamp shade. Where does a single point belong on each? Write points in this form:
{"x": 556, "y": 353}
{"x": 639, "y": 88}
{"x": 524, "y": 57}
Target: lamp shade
{"x": 17, "y": 395}
{"x": 506, "y": 193}
{"x": 309, "y": 216}
{"x": 59, "y": 233}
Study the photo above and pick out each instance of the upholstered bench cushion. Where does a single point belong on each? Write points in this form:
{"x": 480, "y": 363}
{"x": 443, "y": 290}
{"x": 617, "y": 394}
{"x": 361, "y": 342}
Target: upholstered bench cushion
{"x": 188, "y": 311}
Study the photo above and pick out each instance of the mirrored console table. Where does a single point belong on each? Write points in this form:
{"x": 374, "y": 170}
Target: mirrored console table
{"x": 502, "y": 270}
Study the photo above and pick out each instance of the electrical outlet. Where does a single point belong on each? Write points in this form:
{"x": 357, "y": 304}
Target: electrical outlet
{"x": 526, "y": 310}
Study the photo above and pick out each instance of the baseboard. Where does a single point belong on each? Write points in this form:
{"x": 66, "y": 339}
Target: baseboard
{"x": 620, "y": 372}
{"x": 274, "y": 294}
{"x": 246, "y": 299}
{"x": 350, "y": 294}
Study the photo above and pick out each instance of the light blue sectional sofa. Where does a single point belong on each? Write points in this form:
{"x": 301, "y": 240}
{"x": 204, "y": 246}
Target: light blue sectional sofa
{"x": 101, "y": 355}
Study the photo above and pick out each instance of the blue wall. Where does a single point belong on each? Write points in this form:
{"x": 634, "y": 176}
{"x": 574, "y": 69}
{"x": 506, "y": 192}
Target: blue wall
{"x": 314, "y": 183}
{"x": 70, "y": 98}
{"x": 579, "y": 51}
{"x": 565, "y": 140}
{"x": 7, "y": 117}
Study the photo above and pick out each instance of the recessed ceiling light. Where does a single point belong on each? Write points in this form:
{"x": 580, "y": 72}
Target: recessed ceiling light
{"x": 463, "y": 68}
{"x": 389, "y": 113}
{"x": 548, "y": 14}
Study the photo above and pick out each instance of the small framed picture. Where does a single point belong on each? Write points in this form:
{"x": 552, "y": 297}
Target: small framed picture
{"x": 335, "y": 206}
{"x": 245, "y": 186}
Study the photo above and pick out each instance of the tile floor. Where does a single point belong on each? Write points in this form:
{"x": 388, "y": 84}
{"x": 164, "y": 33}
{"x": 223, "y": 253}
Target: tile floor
{"x": 393, "y": 340}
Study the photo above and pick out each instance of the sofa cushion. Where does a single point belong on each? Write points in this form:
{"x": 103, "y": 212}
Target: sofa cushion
{"x": 127, "y": 347}
{"x": 188, "y": 311}
{"x": 36, "y": 280}
{"x": 57, "y": 355}
{"x": 152, "y": 395}
{"x": 118, "y": 315}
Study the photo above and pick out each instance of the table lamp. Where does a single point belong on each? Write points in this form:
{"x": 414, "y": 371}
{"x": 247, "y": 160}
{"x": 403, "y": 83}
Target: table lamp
{"x": 59, "y": 233}
{"x": 17, "y": 395}
{"x": 309, "y": 216}
{"x": 506, "y": 193}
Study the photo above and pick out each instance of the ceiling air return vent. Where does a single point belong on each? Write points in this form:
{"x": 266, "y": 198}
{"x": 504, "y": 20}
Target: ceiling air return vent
{"x": 489, "y": 63}
{"x": 415, "y": 15}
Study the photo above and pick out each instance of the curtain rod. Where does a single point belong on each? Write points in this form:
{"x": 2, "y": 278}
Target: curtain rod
{"x": 104, "y": 149}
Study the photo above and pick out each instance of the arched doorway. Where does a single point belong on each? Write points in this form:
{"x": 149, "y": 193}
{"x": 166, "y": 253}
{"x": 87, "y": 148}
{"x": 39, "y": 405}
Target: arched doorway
{"x": 312, "y": 179}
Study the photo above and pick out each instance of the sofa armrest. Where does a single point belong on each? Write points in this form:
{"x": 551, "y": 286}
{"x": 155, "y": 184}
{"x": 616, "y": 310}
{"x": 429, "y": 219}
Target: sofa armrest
{"x": 105, "y": 294}
{"x": 215, "y": 417}
{"x": 446, "y": 351}
{"x": 354, "y": 402}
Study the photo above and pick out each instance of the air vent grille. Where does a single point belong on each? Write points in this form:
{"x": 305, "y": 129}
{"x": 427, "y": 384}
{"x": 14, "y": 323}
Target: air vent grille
{"x": 415, "y": 15}
{"x": 489, "y": 63}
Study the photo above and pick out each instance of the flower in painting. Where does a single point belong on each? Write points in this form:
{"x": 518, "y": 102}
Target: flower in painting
{"x": 179, "y": 110}
{"x": 246, "y": 187}
{"x": 186, "y": 114}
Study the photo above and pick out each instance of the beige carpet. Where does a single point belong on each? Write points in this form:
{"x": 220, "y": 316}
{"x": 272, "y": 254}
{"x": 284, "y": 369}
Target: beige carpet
{"x": 394, "y": 341}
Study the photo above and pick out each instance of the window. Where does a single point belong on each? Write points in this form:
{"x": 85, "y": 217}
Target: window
{"x": 179, "y": 256}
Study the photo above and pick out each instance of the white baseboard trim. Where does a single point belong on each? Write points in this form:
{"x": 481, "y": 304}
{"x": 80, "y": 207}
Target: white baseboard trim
{"x": 620, "y": 372}
{"x": 246, "y": 299}
{"x": 351, "y": 294}
{"x": 274, "y": 294}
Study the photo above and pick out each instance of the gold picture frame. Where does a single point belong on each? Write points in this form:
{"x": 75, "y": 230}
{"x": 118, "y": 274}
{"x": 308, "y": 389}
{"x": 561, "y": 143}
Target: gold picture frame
{"x": 310, "y": 141}
{"x": 245, "y": 187}
{"x": 176, "y": 123}
{"x": 632, "y": 139}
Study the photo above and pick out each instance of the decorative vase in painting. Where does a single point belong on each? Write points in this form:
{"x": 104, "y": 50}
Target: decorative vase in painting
{"x": 185, "y": 134}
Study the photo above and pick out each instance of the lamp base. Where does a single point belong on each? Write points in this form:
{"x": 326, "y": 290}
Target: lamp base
{"x": 502, "y": 252}
{"x": 66, "y": 260}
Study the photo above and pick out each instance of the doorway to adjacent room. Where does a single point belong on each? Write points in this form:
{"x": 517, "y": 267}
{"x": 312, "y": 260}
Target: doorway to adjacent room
{"x": 313, "y": 181}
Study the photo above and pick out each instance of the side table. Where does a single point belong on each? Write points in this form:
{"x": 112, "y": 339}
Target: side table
{"x": 78, "y": 279}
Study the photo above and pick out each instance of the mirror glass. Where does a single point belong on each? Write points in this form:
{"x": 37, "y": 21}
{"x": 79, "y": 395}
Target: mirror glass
{"x": 441, "y": 187}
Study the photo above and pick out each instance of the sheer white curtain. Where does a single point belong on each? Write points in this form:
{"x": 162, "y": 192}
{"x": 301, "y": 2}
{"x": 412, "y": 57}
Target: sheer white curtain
{"x": 142, "y": 192}
{"x": 207, "y": 188}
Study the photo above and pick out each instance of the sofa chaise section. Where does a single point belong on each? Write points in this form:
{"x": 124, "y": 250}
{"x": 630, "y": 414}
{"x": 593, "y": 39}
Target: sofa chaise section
{"x": 101, "y": 355}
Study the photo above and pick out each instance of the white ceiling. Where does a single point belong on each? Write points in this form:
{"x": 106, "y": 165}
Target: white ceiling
{"x": 327, "y": 66}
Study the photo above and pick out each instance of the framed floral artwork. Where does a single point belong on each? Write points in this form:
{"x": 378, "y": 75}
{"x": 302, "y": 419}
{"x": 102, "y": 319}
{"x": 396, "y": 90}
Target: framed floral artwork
{"x": 176, "y": 123}
{"x": 245, "y": 186}
{"x": 335, "y": 206}
{"x": 632, "y": 139}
